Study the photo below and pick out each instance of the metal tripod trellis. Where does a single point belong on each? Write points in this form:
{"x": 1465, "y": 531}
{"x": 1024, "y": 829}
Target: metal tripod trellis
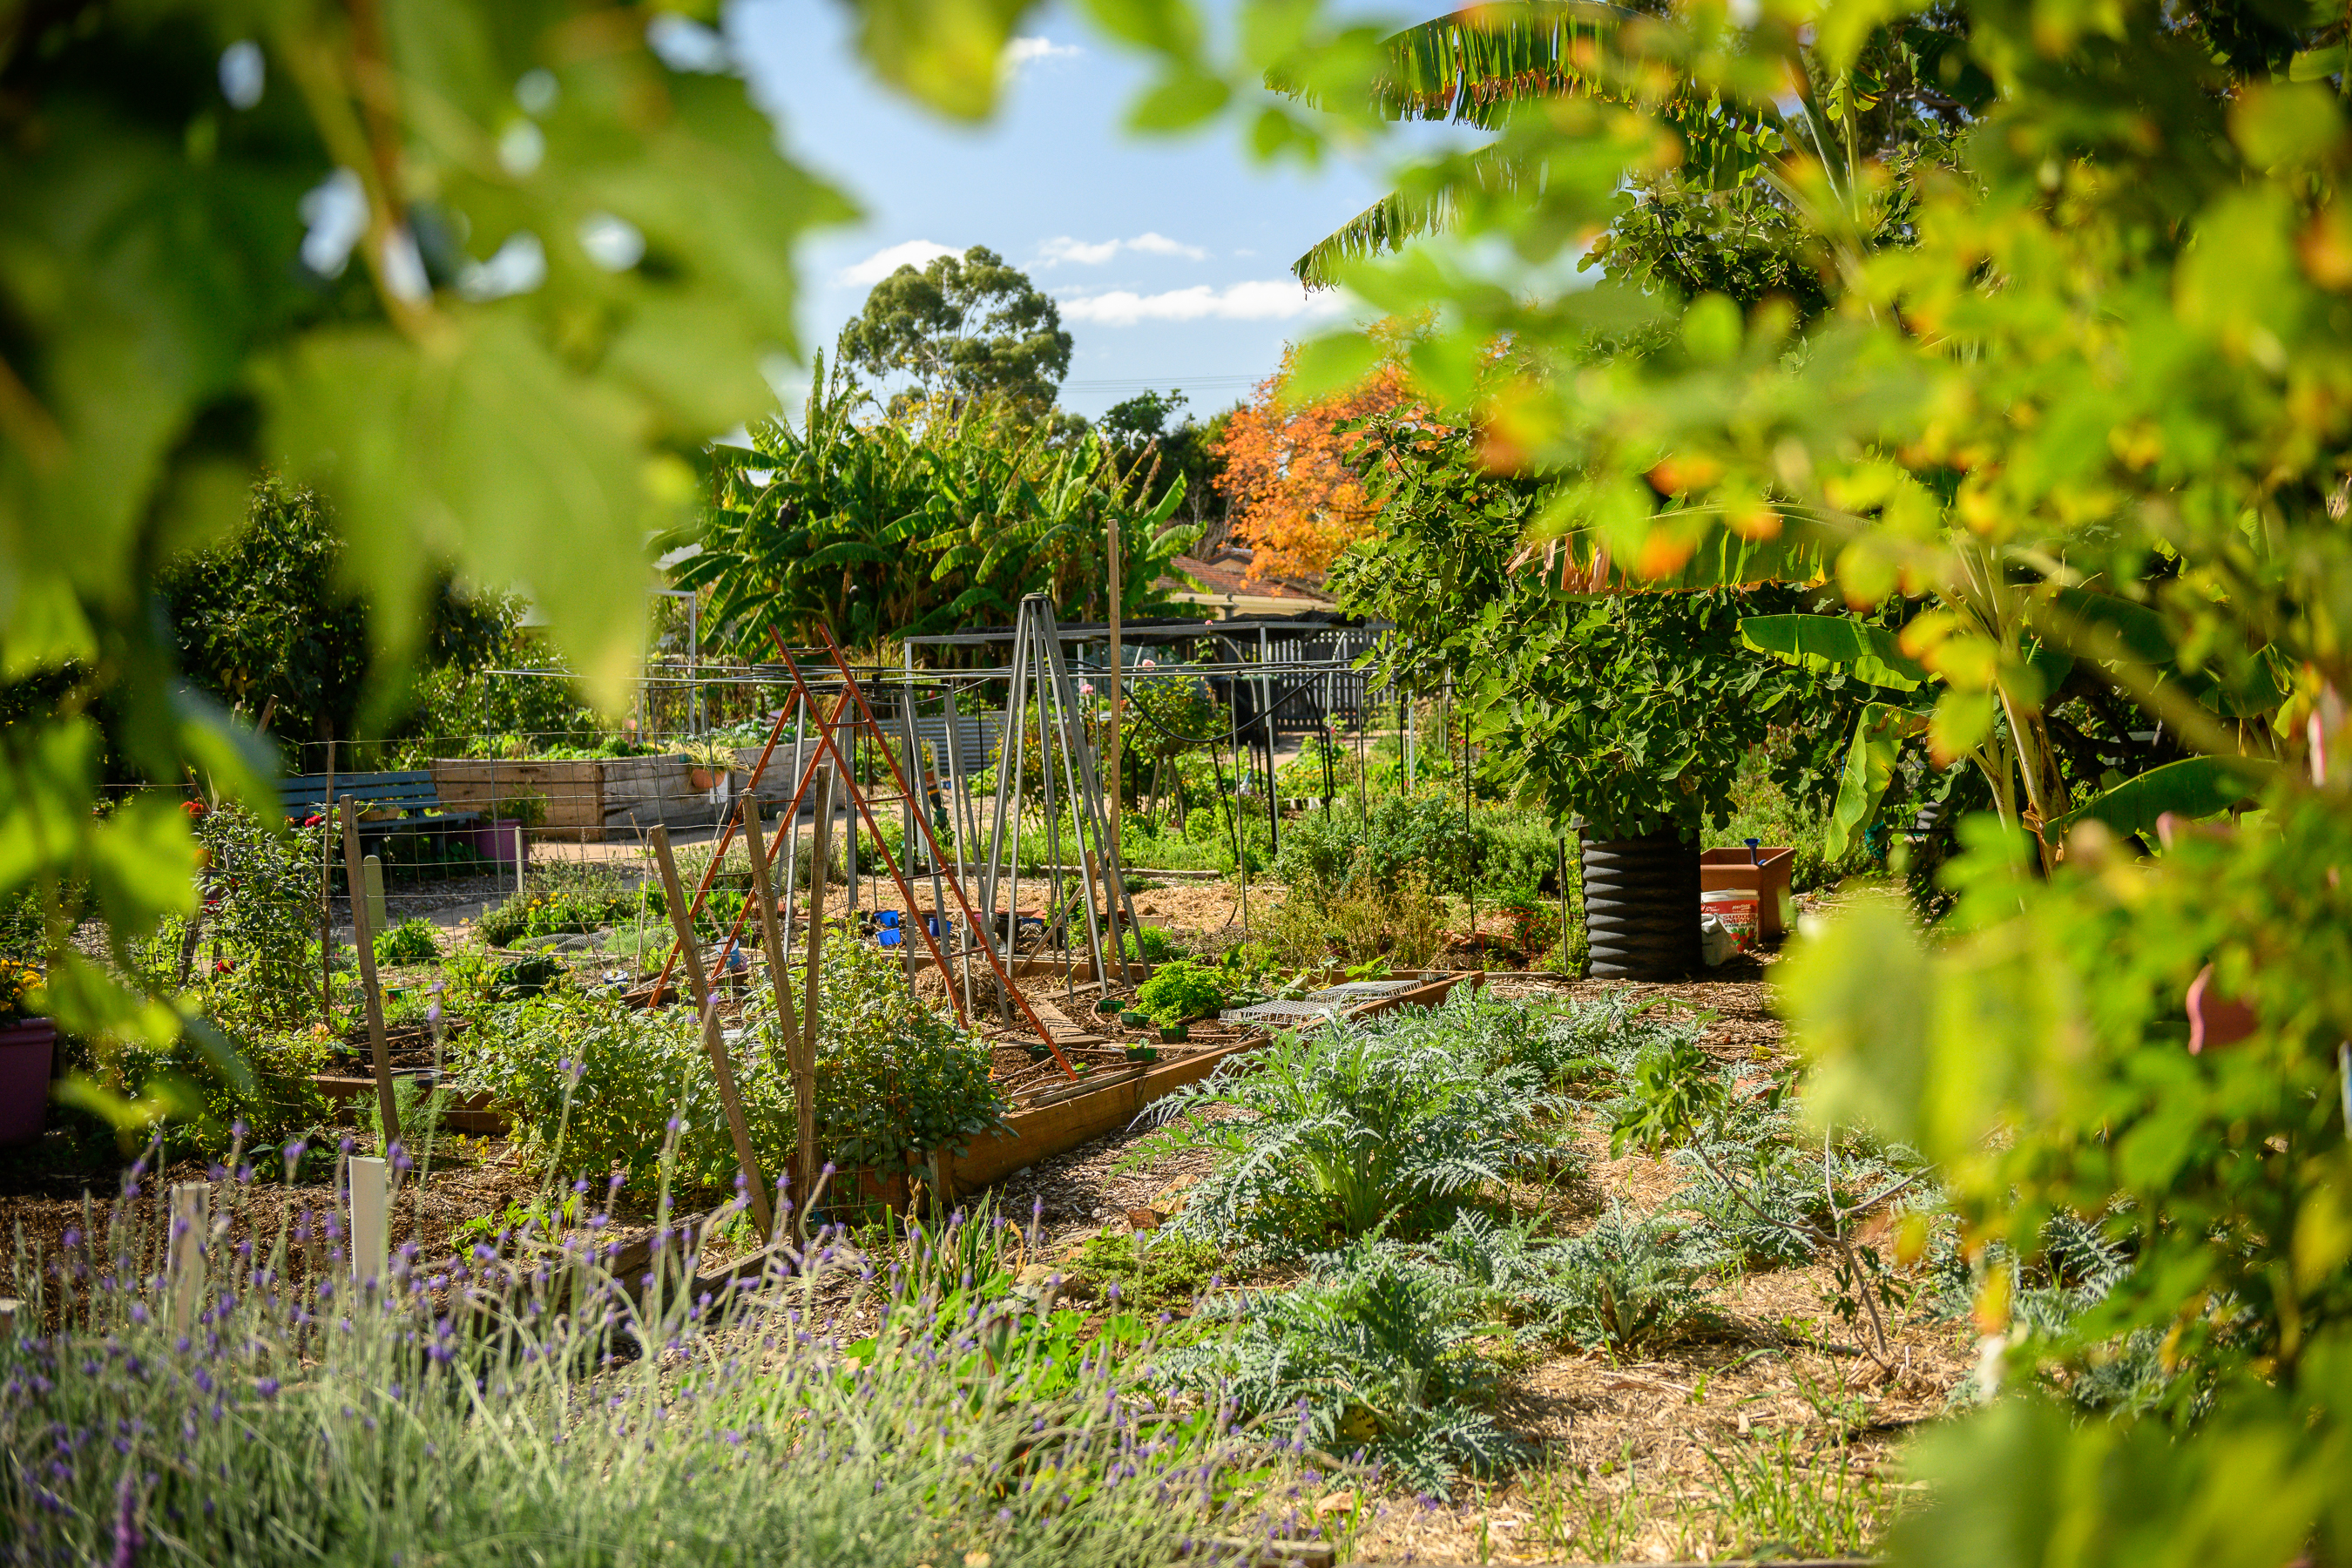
{"x": 1040, "y": 673}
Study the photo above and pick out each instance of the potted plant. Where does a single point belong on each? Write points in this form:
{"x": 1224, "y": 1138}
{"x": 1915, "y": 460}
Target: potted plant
{"x": 497, "y": 841}
{"x": 1627, "y": 714}
{"x": 1174, "y": 1031}
{"x": 27, "y": 1049}
{"x": 1140, "y": 1052}
{"x": 708, "y": 763}
{"x": 1135, "y": 1020}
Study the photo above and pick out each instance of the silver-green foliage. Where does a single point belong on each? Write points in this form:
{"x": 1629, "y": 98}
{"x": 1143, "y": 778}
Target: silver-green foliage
{"x": 1376, "y": 1351}
{"x": 1329, "y": 1134}
{"x": 1625, "y": 1284}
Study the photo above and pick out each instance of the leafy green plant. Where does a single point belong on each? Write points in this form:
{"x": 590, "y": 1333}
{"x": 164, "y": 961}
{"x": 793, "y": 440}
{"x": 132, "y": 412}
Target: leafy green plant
{"x": 260, "y": 890}
{"x": 413, "y": 941}
{"x": 1376, "y": 1354}
{"x": 1674, "y": 1088}
{"x": 595, "y": 1084}
{"x": 1150, "y": 944}
{"x": 1626, "y": 1283}
{"x": 1147, "y": 1272}
{"x": 1384, "y": 1124}
{"x": 568, "y": 896}
{"x": 942, "y": 516}
{"x": 1180, "y": 991}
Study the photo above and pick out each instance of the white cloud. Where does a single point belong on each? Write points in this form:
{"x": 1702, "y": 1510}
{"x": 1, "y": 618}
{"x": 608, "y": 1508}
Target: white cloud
{"x": 886, "y": 261}
{"x": 1094, "y": 253}
{"x": 1263, "y": 299}
{"x": 1023, "y": 52}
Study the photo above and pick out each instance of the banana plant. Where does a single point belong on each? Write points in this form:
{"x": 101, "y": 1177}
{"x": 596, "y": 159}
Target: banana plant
{"x": 944, "y": 516}
{"x": 1971, "y": 675}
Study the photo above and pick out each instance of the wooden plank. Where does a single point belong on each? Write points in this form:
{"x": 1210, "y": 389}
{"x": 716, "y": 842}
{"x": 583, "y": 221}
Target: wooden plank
{"x": 1063, "y": 1028}
{"x": 1056, "y": 1129}
{"x": 574, "y": 791}
{"x": 1052, "y": 1130}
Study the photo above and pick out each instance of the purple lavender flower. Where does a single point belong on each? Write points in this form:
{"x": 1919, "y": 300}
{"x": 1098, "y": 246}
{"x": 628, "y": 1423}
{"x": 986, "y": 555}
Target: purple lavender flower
{"x": 127, "y": 1538}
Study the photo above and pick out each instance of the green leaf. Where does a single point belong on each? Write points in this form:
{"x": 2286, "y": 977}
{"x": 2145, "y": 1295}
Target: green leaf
{"x": 1179, "y": 100}
{"x": 947, "y": 53}
{"x": 2192, "y": 787}
{"x": 1835, "y": 642}
{"x": 1870, "y": 760}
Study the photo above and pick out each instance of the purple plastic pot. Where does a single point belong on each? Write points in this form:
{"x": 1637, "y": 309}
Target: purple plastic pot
{"x": 26, "y": 1050}
{"x": 497, "y": 841}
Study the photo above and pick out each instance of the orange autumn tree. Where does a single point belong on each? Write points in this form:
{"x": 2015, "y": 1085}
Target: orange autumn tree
{"x": 1288, "y": 481}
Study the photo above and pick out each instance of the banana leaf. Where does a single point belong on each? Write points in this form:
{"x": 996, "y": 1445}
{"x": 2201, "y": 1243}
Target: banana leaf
{"x": 1869, "y": 653}
{"x": 1878, "y": 737}
{"x": 2192, "y": 787}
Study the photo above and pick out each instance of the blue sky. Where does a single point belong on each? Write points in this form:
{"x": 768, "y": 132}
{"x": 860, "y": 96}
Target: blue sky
{"x": 1170, "y": 259}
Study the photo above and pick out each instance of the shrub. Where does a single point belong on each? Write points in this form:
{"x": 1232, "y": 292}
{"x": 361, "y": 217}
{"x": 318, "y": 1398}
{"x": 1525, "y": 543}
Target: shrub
{"x": 1386, "y": 1123}
{"x": 1180, "y": 991}
{"x": 413, "y": 941}
{"x": 1376, "y": 1354}
{"x": 261, "y": 905}
{"x": 567, "y": 897}
{"x": 593, "y": 1083}
{"x": 1405, "y": 929}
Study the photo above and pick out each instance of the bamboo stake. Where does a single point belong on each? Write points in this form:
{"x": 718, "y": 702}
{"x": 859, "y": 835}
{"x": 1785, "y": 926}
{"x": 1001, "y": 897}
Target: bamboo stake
{"x": 364, "y": 940}
{"x": 713, "y": 1043}
{"x": 820, "y": 857}
{"x": 802, "y": 1063}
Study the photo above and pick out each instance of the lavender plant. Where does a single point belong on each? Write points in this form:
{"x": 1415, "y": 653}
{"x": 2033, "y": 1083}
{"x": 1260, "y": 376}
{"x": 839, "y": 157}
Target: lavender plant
{"x": 526, "y": 1404}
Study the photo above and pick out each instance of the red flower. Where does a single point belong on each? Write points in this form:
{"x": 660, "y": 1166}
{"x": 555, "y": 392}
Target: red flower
{"x": 194, "y": 808}
{"x": 222, "y": 966}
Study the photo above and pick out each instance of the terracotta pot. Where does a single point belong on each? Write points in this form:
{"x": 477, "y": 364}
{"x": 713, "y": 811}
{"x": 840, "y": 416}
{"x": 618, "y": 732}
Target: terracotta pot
{"x": 702, "y": 778}
{"x": 27, "y": 1049}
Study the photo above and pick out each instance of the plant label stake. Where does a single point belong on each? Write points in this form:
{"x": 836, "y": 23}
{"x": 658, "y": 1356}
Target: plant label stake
{"x": 363, "y": 939}
{"x": 191, "y": 1213}
{"x": 371, "y": 1218}
{"x": 714, "y": 1044}
{"x": 799, "y": 1057}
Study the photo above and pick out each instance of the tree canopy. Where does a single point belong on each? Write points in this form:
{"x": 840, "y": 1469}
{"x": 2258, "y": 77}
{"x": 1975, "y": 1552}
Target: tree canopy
{"x": 967, "y": 326}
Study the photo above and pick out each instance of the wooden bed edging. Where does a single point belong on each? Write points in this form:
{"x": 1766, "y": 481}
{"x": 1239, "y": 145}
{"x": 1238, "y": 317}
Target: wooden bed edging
{"x": 1037, "y": 1134}
{"x": 1056, "y": 1129}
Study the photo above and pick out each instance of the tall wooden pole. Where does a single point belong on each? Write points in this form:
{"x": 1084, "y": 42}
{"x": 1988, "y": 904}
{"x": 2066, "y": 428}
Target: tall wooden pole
{"x": 1118, "y": 708}
{"x": 364, "y": 940}
{"x": 714, "y": 1044}
{"x": 802, "y": 1062}
{"x": 812, "y": 994}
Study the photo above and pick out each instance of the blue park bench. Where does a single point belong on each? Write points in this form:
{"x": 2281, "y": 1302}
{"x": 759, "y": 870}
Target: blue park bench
{"x": 410, "y": 793}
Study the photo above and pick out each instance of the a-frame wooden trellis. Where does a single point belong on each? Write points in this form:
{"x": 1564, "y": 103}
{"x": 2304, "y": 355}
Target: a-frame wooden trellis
{"x": 861, "y": 723}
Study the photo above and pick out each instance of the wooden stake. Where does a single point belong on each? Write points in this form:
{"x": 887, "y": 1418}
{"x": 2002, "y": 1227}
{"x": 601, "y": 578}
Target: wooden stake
{"x": 802, "y": 1062}
{"x": 714, "y": 1044}
{"x": 364, "y": 940}
{"x": 820, "y": 858}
